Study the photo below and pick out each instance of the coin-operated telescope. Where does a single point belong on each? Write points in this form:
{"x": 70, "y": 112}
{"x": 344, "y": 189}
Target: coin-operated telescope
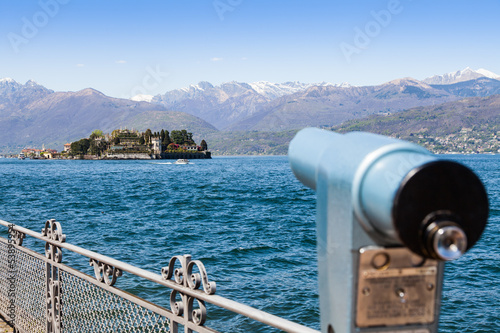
{"x": 389, "y": 213}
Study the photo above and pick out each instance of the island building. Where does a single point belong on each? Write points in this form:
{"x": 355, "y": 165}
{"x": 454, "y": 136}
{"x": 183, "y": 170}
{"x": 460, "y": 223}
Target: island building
{"x": 39, "y": 153}
{"x": 132, "y": 144}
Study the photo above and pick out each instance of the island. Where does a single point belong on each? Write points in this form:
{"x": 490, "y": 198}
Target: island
{"x": 125, "y": 144}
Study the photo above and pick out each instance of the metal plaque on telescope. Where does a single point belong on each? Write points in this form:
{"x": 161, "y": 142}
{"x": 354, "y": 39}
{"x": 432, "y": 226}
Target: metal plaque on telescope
{"x": 395, "y": 287}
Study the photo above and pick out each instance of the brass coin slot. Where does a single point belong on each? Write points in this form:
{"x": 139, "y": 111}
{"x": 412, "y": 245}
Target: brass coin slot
{"x": 381, "y": 261}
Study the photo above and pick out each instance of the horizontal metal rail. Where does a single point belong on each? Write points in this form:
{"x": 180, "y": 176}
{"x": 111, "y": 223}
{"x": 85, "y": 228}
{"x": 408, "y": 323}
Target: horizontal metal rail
{"x": 222, "y": 302}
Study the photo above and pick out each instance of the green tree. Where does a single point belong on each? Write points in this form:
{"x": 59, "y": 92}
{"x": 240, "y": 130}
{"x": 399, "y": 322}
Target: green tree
{"x": 190, "y": 139}
{"x": 147, "y": 136}
{"x": 185, "y": 136}
{"x": 177, "y": 137}
{"x": 97, "y": 147}
{"x": 96, "y": 134}
{"x": 203, "y": 145}
{"x": 141, "y": 140}
{"x": 166, "y": 140}
{"x": 80, "y": 147}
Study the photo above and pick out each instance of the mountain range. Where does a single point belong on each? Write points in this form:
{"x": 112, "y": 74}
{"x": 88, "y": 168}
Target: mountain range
{"x": 264, "y": 106}
{"x": 31, "y": 114}
{"x": 469, "y": 125}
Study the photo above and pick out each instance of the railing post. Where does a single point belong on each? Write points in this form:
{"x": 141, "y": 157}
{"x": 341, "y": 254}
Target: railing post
{"x": 53, "y": 303}
{"x": 185, "y": 276}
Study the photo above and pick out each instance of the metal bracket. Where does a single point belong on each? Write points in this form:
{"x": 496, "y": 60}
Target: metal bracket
{"x": 53, "y": 232}
{"x": 185, "y": 277}
{"x": 104, "y": 272}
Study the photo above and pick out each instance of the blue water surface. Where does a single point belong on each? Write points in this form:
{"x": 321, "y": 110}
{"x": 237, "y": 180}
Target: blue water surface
{"x": 247, "y": 218}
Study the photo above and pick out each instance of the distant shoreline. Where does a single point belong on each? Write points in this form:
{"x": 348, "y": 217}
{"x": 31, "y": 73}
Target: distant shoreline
{"x": 211, "y": 157}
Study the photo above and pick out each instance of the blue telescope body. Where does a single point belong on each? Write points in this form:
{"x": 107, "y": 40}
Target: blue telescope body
{"x": 375, "y": 192}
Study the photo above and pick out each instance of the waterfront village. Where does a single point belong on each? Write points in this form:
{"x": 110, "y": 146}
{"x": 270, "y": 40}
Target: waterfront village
{"x": 123, "y": 144}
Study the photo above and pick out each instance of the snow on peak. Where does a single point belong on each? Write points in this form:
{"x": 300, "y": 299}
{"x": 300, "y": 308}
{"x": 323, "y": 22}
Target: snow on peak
{"x": 31, "y": 83}
{"x": 487, "y": 73}
{"x": 344, "y": 85}
{"x": 276, "y": 90}
{"x": 267, "y": 89}
{"x": 7, "y": 80}
{"x": 142, "y": 98}
{"x": 459, "y": 76}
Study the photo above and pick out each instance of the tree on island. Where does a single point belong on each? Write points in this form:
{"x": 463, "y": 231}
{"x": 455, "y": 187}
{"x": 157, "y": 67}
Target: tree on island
{"x": 97, "y": 147}
{"x": 96, "y": 134}
{"x": 147, "y": 136}
{"x": 203, "y": 145}
{"x": 182, "y": 137}
{"x": 177, "y": 137}
{"x": 166, "y": 140}
{"x": 80, "y": 147}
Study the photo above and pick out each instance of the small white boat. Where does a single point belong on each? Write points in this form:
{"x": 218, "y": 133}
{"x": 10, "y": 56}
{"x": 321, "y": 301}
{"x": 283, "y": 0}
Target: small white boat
{"x": 21, "y": 156}
{"x": 182, "y": 161}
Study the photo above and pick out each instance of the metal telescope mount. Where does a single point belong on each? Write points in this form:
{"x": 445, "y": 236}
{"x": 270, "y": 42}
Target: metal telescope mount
{"x": 389, "y": 214}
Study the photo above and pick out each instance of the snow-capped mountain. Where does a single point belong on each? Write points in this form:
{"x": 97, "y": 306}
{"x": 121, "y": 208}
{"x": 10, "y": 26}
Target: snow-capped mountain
{"x": 276, "y": 90}
{"x": 142, "y": 98}
{"x": 8, "y": 85}
{"x": 461, "y": 76}
{"x": 7, "y": 80}
{"x": 231, "y": 101}
{"x": 14, "y": 95}
{"x": 489, "y": 74}
{"x": 267, "y": 89}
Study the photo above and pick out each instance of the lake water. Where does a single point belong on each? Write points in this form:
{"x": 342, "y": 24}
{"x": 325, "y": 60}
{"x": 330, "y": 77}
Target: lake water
{"x": 247, "y": 218}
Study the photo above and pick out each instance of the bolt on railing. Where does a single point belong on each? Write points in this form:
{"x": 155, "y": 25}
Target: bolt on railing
{"x": 40, "y": 294}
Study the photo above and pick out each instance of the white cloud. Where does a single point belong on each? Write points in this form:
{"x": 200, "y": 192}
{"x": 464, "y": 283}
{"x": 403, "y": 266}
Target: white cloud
{"x": 80, "y": 65}
{"x": 216, "y": 59}
{"x": 121, "y": 61}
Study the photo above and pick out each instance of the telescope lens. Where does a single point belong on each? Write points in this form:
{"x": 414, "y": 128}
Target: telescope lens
{"x": 449, "y": 242}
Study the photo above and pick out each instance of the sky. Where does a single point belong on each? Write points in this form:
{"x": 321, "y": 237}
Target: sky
{"x": 124, "y": 48}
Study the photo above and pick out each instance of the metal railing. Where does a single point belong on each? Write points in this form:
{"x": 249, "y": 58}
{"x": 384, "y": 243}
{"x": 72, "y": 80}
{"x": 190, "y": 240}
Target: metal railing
{"x": 41, "y": 294}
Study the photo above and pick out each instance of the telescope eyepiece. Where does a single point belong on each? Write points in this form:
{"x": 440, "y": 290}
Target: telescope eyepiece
{"x": 441, "y": 210}
{"x": 446, "y": 240}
